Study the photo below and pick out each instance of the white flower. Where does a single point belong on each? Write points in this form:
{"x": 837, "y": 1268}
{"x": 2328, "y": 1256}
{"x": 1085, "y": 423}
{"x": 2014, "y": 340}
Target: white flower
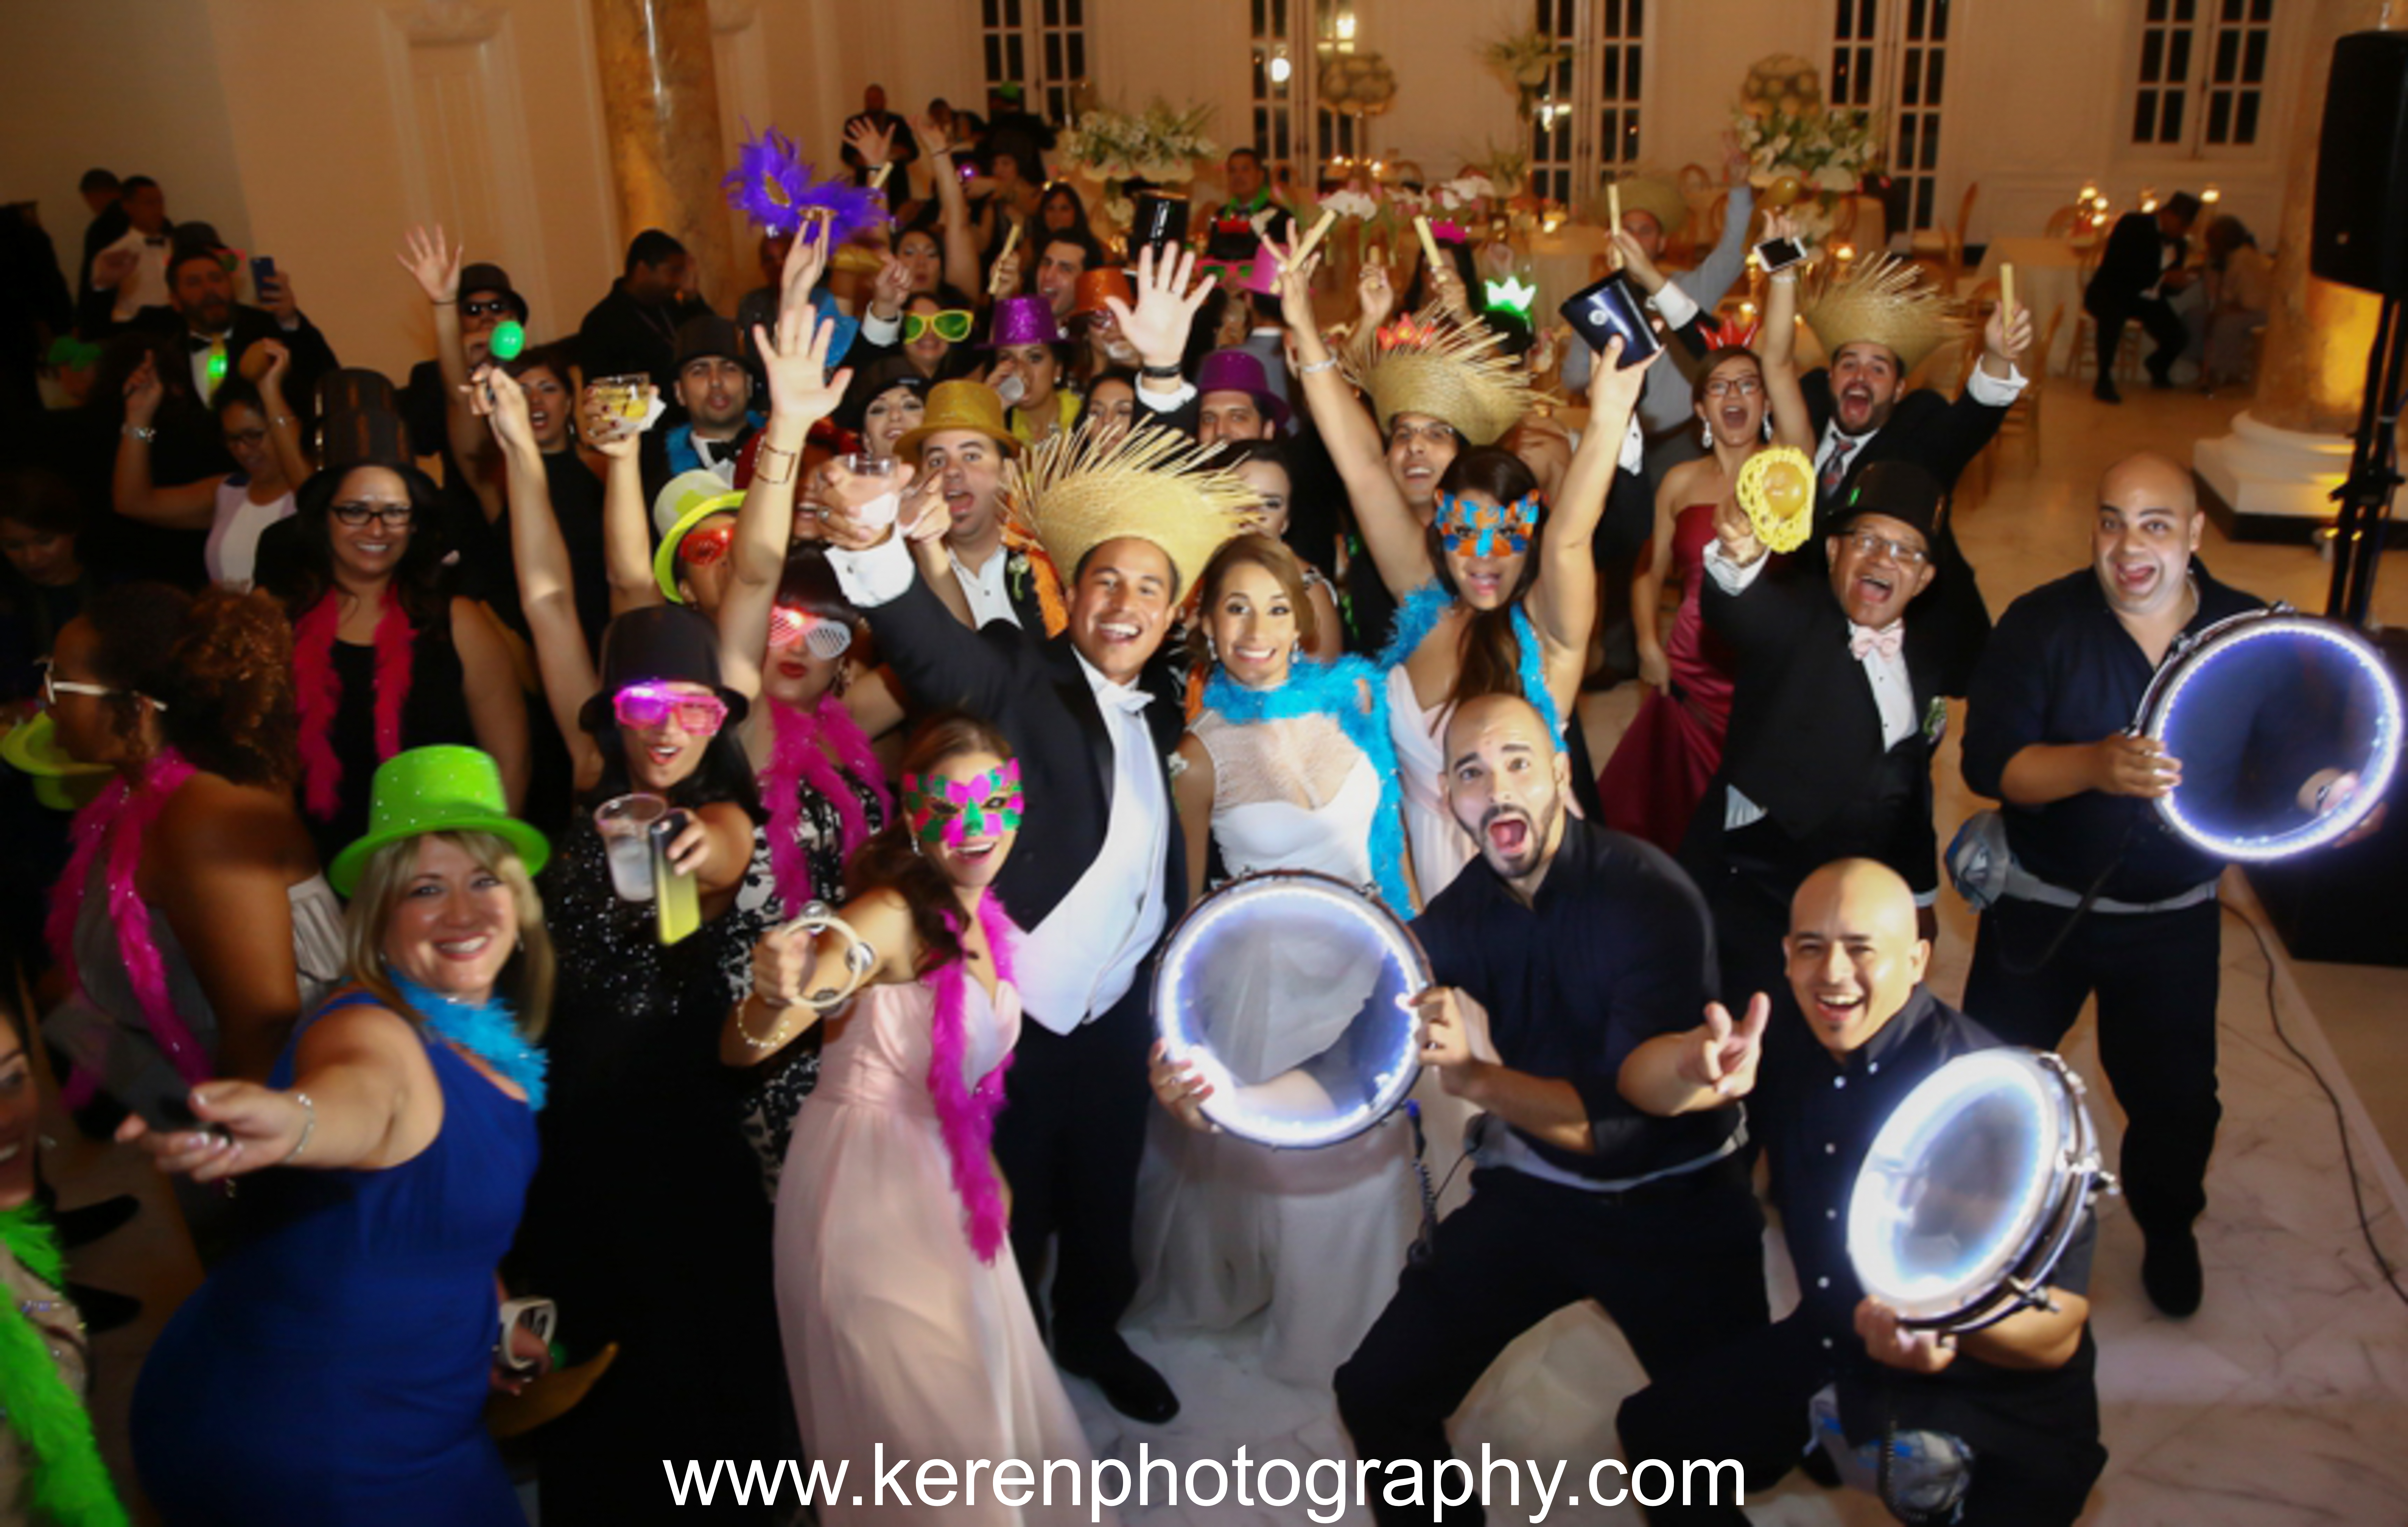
{"x": 1350, "y": 203}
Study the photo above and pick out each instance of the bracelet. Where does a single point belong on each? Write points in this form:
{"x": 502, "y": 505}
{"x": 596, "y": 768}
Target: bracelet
{"x": 308, "y": 1126}
{"x": 746, "y": 1035}
{"x": 444, "y": 302}
{"x": 280, "y": 420}
{"x": 1161, "y": 373}
{"x": 766, "y": 456}
{"x": 1782, "y": 278}
{"x": 143, "y": 433}
{"x": 1316, "y": 368}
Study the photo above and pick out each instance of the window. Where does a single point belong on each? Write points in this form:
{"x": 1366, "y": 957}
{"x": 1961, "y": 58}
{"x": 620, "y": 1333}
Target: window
{"x": 1275, "y": 89}
{"x": 2202, "y": 78}
{"x": 1586, "y": 125}
{"x": 1039, "y": 44}
{"x": 1337, "y": 135}
{"x": 1890, "y": 57}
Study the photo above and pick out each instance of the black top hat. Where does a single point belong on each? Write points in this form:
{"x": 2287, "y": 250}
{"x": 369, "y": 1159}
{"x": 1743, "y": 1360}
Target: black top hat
{"x": 659, "y": 643}
{"x": 486, "y": 277}
{"x": 360, "y": 421}
{"x": 706, "y": 334}
{"x": 1901, "y": 489}
{"x": 2182, "y": 203}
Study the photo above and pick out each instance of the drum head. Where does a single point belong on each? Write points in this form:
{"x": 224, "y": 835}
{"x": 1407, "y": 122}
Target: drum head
{"x": 2287, "y": 729}
{"x": 1964, "y": 1178}
{"x": 1283, "y": 991}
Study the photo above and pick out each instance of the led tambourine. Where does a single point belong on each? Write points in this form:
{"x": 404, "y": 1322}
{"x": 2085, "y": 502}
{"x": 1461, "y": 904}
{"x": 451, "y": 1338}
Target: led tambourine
{"x": 1306, "y": 975}
{"x": 1776, "y": 489}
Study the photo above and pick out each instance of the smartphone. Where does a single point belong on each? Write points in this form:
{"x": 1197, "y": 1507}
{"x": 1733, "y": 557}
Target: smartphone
{"x": 1778, "y": 254}
{"x": 1160, "y": 220}
{"x": 263, "y": 272}
{"x": 675, "y": 900}
{"x": 1609, "y": 309}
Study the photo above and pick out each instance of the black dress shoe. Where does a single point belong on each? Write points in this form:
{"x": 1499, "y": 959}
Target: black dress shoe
{"x": 101, "y": 1309}
{"x": 2105, "y": 391}
{"x": 2171, "y": 1273}
{"x": 83, "y": 1226}
{"x": 1129, "y": 1382}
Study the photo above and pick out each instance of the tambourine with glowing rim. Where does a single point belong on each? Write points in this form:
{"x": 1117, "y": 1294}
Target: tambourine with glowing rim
{"x": 2188, "y": 678}
{"x": 1304, "y": 975}
{"x": 1973, "y": 1189}
{"x": 859, "y": 957}
{"x": 1776, "y": 488}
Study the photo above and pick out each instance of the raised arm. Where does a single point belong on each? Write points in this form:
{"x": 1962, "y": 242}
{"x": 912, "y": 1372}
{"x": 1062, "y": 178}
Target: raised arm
{"x": 186, "y": 505}
{"x": 436, "y": 267}
{"x": 1563, "y": 597}
{"x": 284, "y": 430}
{"x": 627, "y": 530}
{"x": 1704, "y": 1067}
{"x": 1390, "y": 531}
{"x": 1776, "y": 347}
{"x": 953, "y": 207}
{"x": 547, "y": 591}
{"x": 788, "y": 967}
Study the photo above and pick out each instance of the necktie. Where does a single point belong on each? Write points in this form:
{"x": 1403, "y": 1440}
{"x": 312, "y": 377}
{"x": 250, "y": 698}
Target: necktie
{"x": 1836, "y": 469}
{"x": 1888, "y": 641}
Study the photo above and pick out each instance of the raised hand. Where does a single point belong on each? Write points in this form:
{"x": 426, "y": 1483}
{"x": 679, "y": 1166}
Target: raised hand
{"x": 891, "y": 290}
{"x": 875, "y": 145}
{"x": 266, "y": 361}
{"x": 784, "y": 959}
{"x": 1736, "y": 162}
{"x": 144, "y": 389}
{"x": 1782, "y": 223}
{"x": 1004, "y": 279}
{"x": 2007, "y": 335}
{"x": 1166, "y": 307}
{"x": 1375, "y": 292}
{"x": 1294, "y": 285}
{"x": 601, "y": 426}
{"x": 1723, "y": 1055}
{"x": 796, "y": 360}
{"x": 1634, "y": 260}
{"x": 422, "y": 255}
{"x": 933, "y": 139}
{"x": 278, "y": 299}
{"x": 495, "y": 394}
{"x": 1732, "y": 527}
{"x": 1613, "y": 386}
{"x": 1448, "y": 283}
{"x": 806, "y": 261}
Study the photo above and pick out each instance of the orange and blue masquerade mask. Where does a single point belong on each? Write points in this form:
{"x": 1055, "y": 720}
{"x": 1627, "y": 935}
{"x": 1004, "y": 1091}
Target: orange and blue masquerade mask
{"x": 947, "y": 811}
{"x": 1459, "y": 521}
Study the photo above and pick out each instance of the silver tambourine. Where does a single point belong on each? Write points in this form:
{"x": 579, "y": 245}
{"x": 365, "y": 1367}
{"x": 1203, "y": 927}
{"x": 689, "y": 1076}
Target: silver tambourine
{"x": 817, "y": 917}
{"x": 1285, "y": 990}
{"x": 2287, "y": 729}
{"x": 1973, "y": 1189}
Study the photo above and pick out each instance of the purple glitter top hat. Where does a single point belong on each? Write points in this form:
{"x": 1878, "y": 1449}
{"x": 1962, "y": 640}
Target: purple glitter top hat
{"x": 1024, "y": 320}
{"x": 1240, "y": 371}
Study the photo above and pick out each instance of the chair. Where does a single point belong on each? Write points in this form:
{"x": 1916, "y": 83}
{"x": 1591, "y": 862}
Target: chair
{"x": 2063, "y": 222}
{"x": 1942, "y": 250}
{"x": 2024, "y": 415}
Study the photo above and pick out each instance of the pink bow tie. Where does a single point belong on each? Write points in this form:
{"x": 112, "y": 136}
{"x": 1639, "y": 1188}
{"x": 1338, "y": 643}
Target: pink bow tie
{"x": 1886, "y": 641}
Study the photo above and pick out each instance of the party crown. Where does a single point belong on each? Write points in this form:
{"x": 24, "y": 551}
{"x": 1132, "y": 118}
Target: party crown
{"x": 1514, "y": 296}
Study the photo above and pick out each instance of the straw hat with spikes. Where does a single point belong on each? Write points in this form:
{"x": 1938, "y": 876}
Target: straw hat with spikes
{"x": 1075, "y": 491}
{"x": 1885, "y": 301}
{"x": 1424, "y": 364}
{"x": 1653, "y": 194}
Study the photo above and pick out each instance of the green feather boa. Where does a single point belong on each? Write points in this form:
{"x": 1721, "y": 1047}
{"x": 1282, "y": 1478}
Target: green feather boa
{"x": 68, "y": 1483}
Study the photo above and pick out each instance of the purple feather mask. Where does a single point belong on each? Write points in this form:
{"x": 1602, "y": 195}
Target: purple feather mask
{"x": 776, "y": 189}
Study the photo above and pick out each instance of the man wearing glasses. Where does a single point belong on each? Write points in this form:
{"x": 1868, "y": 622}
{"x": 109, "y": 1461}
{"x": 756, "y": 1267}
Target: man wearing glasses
{"x": 486, "y": 299}
{"x": 1834, "y": 714}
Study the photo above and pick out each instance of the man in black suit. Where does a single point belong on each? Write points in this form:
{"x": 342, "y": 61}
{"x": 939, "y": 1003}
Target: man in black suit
{"x": 633, "y": 330}
{"x": 2141, "y": 266}
{"x": 903, "y": 148}
{"x": 201, "y": 316}
{"x": 486, "y": 300}
{"x": 105, "y": 197}
{"x": 1834, "y": 714}
{"x": 1876, "y": 331}
{"x": 1100, "y": 879}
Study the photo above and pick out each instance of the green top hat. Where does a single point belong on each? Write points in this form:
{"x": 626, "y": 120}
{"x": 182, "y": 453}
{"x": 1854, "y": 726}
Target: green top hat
{"x": 436, "y": 790}
{"x": 684, "y": 502}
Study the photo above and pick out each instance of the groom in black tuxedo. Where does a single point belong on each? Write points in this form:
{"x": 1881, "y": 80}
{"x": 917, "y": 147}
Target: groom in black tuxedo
{"x": 1834, "y": 714}
{"x": 1096, "y": 880}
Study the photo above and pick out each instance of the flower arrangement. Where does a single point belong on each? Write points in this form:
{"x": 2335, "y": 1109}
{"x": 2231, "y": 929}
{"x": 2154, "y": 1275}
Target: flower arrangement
{"x": 1357, "y": 84}
{"x": 1527, "y": 62}
{"x": 1157, "y": 144}
{"x": 1796, "y": 144}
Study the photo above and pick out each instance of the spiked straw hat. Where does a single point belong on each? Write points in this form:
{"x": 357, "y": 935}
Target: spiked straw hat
{"x": 1424, "y": 364}
{"x": 1885, "y": 301}
{"x": 1075, "y": 490}
{"x": 1657, "y": 198}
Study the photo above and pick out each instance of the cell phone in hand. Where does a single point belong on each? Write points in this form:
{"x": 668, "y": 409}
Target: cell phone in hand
{"x": 1778, "y": 254}
{"x": 263, "y": 275}
{"x": 1613, "y": 310}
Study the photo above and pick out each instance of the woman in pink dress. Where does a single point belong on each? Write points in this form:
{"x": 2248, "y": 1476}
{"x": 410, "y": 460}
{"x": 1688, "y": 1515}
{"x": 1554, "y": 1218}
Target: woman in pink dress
{"x": 1746, "y": 400}
{"x": 904, "y": 1323}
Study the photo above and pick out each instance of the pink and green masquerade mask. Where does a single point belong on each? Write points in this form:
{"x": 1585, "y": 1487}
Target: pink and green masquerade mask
{"x": 1460, "y": 520}
{"x": 948, "y": 811}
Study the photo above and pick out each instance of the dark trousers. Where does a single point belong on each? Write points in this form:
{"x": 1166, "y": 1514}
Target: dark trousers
{"x": 1678, "y": 1264}
{"x": 2155, "y": 974}
{"x": 1068, "y": 1141}
{"x": 1748, "y": 1402}
{"x": 2155, "y": 314}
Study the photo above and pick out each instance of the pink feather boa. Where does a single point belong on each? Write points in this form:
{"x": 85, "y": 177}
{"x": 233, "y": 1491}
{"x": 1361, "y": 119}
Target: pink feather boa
{"x": 321, "y": 693}
{"x": 966, "y": 1114}
{"x": 120, "y": 818}
{"x": 797, "y": 760}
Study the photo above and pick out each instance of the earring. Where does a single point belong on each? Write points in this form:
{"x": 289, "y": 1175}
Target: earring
{"x": 1767, "y": 429}
{"x": 1212, "y": 648}
{"x": 1705, "y": 435}
{"x": 1295, "y": 652}
{"x": 917, "y": 851}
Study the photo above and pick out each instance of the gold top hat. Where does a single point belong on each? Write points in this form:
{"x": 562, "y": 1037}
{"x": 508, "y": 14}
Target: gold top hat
{"x": 1885, "y": 301}
{"x": 1076, "y": 491}
{"x": 959, "y": 405}
{"x": 1657, "y": 198}
{"x": 1424, "y": 364}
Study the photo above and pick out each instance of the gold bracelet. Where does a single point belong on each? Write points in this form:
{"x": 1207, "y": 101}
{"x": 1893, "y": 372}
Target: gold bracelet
{"x": 746, "y": 1035}
{"x": 765, "y": 456}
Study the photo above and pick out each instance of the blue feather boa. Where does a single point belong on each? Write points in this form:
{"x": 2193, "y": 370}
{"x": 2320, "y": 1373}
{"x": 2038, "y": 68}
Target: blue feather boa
{"x": 1419, "y": 615}
{"x": 490, "y": 1031}
{"x": 1336, "y": 689}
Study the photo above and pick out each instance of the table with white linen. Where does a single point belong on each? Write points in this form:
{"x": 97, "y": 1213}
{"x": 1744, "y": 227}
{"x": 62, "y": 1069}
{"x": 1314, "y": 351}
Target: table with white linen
{"x": 2048, "y": 275}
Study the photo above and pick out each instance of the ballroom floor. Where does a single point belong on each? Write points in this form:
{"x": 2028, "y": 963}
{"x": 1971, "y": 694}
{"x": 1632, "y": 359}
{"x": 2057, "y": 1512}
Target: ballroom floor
{"x": 2284, "y": 1401}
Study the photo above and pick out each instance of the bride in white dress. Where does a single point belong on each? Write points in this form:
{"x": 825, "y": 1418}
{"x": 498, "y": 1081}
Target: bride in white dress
{"x": 1275, "y": 775}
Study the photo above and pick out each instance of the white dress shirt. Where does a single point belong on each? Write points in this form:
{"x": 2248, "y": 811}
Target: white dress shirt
{"x": 989, "y": 595}
{"x": 1085, "y": 955}
{"x": 145, "y": 285}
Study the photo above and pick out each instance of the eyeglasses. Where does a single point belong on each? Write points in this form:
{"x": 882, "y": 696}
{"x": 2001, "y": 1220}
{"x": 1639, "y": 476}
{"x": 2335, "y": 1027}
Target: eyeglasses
{"x": 396, "y": 516}
{"x": 491, "y": 307}
{"x": 1743, "y": 386}
{"x": 52, "y": 687}
{"x": 648, "y": 705}
{"x": 1868, "y": 544}
{"x": 701, "y": 548}
{"x": 953, "y": 326}
{"x": 1399, "y": 435}
{"x": 241, "y": 439}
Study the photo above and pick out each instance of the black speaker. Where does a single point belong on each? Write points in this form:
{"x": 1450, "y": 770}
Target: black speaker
{"x": 2361, "y": 232}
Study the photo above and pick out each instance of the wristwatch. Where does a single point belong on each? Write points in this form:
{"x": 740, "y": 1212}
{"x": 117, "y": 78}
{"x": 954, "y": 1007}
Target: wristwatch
{"x": 143, "y": 433}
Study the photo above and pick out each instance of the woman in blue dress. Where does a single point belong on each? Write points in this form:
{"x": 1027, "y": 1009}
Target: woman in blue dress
{"x": 333, "y": 1370}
